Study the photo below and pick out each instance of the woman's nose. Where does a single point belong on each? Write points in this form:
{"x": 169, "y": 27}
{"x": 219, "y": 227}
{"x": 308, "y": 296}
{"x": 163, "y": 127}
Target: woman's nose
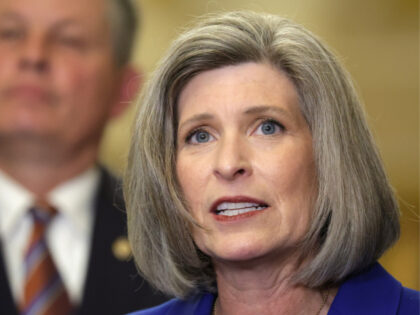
{"x": 232, "y": 159}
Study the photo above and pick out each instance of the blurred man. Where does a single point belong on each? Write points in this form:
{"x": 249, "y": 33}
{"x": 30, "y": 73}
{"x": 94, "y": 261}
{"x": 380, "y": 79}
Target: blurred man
{"x": 63, "y": 74}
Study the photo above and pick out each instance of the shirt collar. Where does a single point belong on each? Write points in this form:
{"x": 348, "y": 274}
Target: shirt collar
{"x": 15, "y": 200}
{"x": 73, "y": 199}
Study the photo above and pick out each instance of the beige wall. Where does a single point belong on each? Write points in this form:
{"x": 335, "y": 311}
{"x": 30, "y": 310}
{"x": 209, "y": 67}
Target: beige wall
{"x": 378, "y": 42}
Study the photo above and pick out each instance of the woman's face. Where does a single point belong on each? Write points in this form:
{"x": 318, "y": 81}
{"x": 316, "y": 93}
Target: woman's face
{"x": 245, "y": 162}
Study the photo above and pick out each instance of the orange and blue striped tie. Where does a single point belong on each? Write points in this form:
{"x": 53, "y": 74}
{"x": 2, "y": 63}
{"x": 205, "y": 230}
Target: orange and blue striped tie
{"x": 44, "y": 292}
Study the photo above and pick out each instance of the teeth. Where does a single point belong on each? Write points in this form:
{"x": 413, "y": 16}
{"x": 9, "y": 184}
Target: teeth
{"x": 235, "y": 208}
{"x": 235, "y": 205}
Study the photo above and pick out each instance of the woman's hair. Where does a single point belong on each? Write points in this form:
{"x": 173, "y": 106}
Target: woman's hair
{"x": 355, "y": 218}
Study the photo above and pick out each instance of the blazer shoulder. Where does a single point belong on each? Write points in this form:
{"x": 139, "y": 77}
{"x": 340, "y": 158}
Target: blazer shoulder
{"x": 169, "y": 307}
{"x": 372, "y": 291}
{"x": 410, "y": 302}
{"x": 198, "y": 305}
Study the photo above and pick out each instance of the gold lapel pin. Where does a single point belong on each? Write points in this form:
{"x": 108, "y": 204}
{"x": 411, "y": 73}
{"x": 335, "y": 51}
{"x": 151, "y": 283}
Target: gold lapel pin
{"x": 121, "y": 248}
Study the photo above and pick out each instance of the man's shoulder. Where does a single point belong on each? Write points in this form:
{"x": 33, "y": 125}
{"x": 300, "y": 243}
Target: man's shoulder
{"x": 109, "y": 192}
{"x": 112, "y": 277}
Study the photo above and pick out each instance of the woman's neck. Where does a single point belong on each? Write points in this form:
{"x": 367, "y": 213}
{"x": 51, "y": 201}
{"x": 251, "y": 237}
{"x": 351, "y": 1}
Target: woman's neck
{"x": 266, "y": 287}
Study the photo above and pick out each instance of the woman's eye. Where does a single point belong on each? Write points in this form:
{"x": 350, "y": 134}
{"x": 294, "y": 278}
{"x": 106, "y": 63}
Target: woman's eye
{"x": 199, "y": 136}
{"x": 269, "y": 127}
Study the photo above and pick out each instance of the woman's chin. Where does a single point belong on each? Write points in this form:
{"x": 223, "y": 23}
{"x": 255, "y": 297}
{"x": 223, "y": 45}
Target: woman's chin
{"x": 236, "y": 254}
{"x": 250, "y": 253}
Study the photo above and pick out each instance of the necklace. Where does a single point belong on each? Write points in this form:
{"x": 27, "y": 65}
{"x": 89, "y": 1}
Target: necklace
{"x": 213, "y": 307}
{"x": 324, "y": 294}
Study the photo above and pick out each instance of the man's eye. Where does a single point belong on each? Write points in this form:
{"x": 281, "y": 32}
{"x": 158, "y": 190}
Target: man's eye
{"x": 269, "y": 127}
{"x": 199, "y": 136}
{"x": 10, "y": 34}
{"x": 72, "y": 42}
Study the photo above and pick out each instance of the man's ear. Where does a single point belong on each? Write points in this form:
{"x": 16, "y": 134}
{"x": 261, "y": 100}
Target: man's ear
{"x": 131, "y": 81}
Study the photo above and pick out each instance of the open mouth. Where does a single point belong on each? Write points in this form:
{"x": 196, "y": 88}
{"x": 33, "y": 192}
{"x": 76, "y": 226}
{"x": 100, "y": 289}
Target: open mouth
{"x": 237, "y": 208}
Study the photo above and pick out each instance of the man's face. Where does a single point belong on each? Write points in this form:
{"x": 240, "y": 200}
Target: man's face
{"x": 58, "y": 78}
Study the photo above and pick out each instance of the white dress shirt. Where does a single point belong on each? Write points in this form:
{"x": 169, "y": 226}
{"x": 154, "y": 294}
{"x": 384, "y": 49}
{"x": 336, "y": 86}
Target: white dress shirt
{"x": 68, "y": 236}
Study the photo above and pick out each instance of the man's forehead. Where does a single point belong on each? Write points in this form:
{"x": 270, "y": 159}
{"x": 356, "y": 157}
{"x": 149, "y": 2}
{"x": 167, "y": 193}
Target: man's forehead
{"x": 86, "y": 12}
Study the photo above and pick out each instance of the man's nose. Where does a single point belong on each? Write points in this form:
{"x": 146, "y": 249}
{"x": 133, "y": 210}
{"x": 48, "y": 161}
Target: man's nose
{"x": 232, "y": 158}
{"x": 34, "y": 54}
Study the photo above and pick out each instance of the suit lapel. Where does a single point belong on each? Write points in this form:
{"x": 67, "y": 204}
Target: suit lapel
{"x": 95, "y": 295}
{"x": 112, "y": 285}
{"x": 7, "y": 305}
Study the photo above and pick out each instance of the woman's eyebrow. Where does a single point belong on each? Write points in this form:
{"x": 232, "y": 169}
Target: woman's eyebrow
{"x": 262, "y": 109}
{"x": 195, "y": 118}
{"x": 257, "y": 109}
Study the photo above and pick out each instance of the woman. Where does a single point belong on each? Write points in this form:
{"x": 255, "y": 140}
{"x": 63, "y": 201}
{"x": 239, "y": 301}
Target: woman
{"x": 253, "y": 184}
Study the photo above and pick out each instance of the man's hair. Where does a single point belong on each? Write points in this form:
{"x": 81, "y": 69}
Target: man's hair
{"x": 123, "y": 24}
{"x": 355, "y": 216}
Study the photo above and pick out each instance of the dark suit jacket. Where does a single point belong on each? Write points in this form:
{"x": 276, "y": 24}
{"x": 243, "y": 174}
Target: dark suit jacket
{"x": 112, "y": 286}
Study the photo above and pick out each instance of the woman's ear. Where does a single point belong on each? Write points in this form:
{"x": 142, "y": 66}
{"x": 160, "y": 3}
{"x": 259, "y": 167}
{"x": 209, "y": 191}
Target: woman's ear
{"x": 131, "y": 81}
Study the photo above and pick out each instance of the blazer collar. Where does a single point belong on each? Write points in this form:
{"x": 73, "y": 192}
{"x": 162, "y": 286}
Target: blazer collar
{"x": 373, "y": 291}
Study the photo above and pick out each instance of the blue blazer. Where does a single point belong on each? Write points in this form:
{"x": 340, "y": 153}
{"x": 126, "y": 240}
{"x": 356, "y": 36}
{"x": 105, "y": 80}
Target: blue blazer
{"x": 371, "y": 292}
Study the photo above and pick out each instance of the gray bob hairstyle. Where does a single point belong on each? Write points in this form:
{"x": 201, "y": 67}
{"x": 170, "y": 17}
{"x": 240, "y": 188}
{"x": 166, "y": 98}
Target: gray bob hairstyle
{"x": 355, "y": 218}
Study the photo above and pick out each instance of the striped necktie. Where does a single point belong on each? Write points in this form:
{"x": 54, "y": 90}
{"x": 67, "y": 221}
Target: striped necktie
{"x": 44, "y": 292}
